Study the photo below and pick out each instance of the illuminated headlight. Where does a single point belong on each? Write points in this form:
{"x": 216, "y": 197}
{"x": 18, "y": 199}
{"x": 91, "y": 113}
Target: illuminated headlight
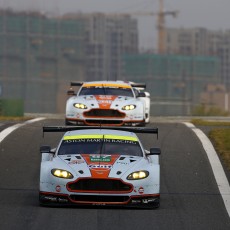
{"x": 138, "y": 175}
{"x": 79, "y": 106}
{"x": 128, "y": 107}
{"x": 61, "y": 173}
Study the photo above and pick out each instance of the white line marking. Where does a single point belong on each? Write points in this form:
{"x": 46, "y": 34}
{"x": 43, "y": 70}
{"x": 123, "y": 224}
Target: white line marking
{"x": 216, "y": 165}
{"x": 10, "y": 129}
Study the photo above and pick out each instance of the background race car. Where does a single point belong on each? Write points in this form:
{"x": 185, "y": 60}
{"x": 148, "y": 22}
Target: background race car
{"x": 107, "y": 166}
{"x": 111, "y": 103}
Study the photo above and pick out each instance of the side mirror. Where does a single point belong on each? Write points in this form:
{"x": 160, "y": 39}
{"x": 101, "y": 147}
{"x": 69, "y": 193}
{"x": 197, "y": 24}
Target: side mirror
{"x": 45, "y": 149}
{"x": 71, "y": 93}
{"x": 147, "y": 94}
{"x": 155, "y": 151}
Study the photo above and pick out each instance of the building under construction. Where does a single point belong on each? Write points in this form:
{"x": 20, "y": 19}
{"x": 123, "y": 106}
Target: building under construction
{"x": 213, "y": 43}
{"x": 108, "y": 37}
{"x": 40, "y": 55}
{"x": 201, "y": 41}
{"x": 175, "y": 82}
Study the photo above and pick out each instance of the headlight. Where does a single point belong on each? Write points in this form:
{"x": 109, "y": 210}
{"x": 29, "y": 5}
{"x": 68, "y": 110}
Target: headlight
{"x": 128, "y": 107}
{"x": 79, "y": 106}
{"x": 61, "y": 173}
{"x": 138, "y": 175}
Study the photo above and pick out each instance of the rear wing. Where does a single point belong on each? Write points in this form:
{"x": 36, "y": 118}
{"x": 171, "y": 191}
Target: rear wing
{"x": 138, "y": 85}
{"x": 133, "y": 84}
{"x": 150, "y": 130}
{"x": 76, "y": 83}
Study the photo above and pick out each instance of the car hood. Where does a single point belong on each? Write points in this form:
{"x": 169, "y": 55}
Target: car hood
{"x": 101, "y": 166}
{"x": 103, "y": 101}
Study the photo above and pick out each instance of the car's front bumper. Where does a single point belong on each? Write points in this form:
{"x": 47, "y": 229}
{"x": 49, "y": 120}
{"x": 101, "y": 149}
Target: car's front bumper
{"x": 103, "y": 121}
{"x": 58, "y": 199}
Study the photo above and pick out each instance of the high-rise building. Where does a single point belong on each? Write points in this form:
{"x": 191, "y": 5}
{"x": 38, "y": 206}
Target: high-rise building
{"x": 38, "y": 58}
{"x": 108, "y": 37}
{"x": 40, "y": 55}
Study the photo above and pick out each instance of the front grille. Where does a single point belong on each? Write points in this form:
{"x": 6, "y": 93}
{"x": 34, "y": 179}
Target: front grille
{"x": 109, "y": 122}
{"x": 99, "y": 185}
{"x": 104, "y": 113}
{"x": 96, "y": 198}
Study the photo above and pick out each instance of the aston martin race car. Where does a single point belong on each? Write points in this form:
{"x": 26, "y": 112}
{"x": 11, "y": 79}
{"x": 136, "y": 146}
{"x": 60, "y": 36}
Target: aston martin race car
{"x": 110, "y": 103}
{"x": 106, "y": 166}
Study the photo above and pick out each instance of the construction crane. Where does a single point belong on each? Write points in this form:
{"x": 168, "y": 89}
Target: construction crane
{"x": 161, "y": 25}
{"x": 161, "y": 29}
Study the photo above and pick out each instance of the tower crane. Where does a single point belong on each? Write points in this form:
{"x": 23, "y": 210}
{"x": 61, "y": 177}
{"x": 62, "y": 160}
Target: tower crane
{"x": 161, "y": 14}
{"x": 161, "y": 25}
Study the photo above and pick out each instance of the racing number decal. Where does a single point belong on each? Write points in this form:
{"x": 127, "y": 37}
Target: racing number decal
{"x": 100, "y": 166}
{"x": 105, "y": 102}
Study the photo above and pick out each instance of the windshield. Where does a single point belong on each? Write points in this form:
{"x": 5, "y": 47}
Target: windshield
{"x": 100, "y": 146}
{"x": 106, "y": 91}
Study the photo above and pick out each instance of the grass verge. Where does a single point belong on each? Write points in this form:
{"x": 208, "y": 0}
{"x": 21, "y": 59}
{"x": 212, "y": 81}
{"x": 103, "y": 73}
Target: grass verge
{"x": 5, "y": 118}
{"x": 221, "y": 141}
{"x": 219, "y": 136}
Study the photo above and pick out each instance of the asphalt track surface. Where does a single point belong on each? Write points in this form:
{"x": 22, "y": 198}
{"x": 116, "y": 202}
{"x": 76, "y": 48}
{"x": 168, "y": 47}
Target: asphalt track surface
{"x": 190, "y": 198}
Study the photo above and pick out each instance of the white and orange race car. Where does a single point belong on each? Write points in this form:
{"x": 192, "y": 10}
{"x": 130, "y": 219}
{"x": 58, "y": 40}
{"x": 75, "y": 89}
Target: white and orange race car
{"x": 100, "y": 166}
{"x": 110, "y": 103}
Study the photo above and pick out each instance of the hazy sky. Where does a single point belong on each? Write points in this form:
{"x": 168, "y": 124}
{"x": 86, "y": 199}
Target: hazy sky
{"x": 212, "y": 14}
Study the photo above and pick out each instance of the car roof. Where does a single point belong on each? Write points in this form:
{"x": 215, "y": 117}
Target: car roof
{"x": 100, "y": 132}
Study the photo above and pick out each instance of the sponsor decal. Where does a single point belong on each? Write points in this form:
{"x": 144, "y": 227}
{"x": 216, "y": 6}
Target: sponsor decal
{"x": 105, "y": 102}
{"x": 98, "y": 138}
{"x": 105, "y": 97}
{"x": 122, "y": 163}
{"x": 98, "y": 158}
{"x": 120, "y": 141}
{"x": 58, "y": 188}
{"x": 76, "y": 162}
{"x": 83, "y": 141}
{"x": 70, "y": 115}
{"x": 100, "y": 166}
